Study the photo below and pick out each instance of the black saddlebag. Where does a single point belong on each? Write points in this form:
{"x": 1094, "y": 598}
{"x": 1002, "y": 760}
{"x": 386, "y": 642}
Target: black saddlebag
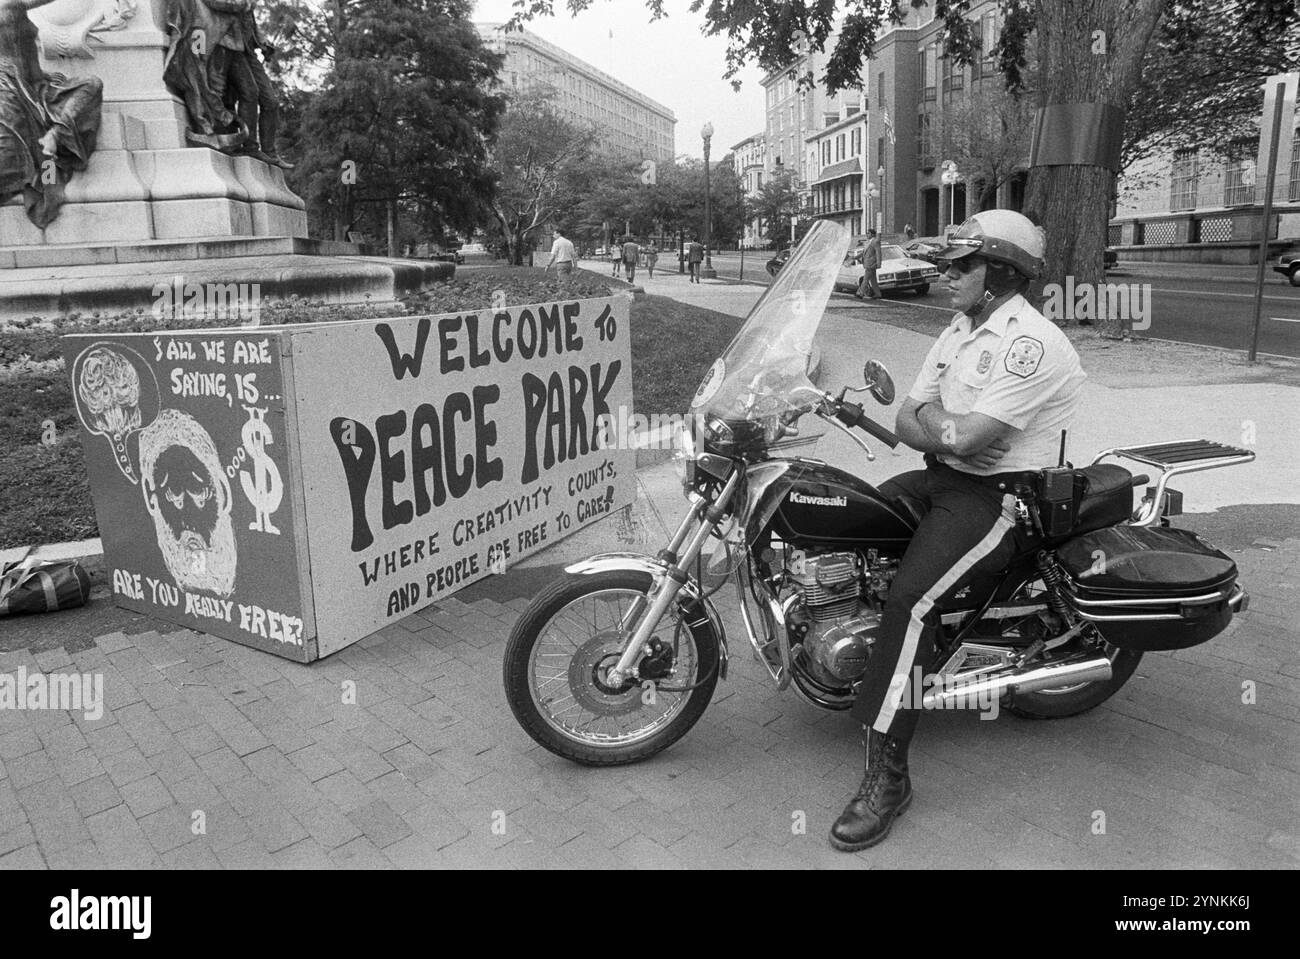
{"x": 1150, "y": 587}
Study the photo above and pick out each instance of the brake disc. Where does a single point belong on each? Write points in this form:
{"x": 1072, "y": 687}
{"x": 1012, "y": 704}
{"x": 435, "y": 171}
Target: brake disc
{"x": 587, "y": 670}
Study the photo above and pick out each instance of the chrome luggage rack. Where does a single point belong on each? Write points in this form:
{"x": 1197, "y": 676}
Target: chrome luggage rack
{"x": 1183, "y": 456}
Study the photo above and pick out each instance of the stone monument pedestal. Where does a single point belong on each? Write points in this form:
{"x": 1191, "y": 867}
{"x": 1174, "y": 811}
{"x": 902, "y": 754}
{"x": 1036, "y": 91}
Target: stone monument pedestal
{"x": 144, "y": 181}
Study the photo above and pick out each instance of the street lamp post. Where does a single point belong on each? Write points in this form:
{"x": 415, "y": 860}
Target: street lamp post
{"x": 708, "y": 273}
{"x": 884, "y": 197}
{"x": 950, "y": 176}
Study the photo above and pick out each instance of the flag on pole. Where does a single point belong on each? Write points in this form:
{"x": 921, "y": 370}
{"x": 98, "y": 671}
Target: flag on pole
{"x": 889, "y": 127}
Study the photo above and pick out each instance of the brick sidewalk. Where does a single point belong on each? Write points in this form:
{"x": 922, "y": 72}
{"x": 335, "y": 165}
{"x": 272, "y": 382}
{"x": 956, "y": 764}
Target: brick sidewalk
{"x": 264, "y": 754}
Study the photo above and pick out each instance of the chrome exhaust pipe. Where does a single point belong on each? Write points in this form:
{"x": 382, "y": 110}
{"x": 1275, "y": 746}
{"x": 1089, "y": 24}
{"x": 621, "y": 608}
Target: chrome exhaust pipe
{"x": 1094, "y": 669}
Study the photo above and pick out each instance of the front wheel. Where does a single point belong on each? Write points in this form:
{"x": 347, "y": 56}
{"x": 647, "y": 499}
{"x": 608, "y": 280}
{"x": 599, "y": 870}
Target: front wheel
{"x": 923, "y": 289}
{"x": 559, "y": 655}
{"x": 1295, "y": 275}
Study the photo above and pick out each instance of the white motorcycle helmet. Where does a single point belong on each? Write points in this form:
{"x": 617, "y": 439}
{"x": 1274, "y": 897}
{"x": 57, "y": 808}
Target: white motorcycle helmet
{"x": 1000, "y": 236}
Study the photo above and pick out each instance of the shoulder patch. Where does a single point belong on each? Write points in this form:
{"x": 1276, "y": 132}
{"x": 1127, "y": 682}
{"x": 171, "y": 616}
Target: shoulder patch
{"x": 1024, "y": 355}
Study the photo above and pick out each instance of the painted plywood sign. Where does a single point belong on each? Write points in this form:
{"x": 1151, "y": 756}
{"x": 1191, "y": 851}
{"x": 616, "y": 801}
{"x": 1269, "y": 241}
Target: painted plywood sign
{"x": 436, "y": 451}
{"x": 185, "y": 445}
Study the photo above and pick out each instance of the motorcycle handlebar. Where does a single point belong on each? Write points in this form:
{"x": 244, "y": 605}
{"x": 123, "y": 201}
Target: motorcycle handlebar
{"x": 851, "y": 414}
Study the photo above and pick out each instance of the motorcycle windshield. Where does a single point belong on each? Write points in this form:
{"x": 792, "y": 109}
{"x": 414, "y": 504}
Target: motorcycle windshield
{"x": 764, "y": 370}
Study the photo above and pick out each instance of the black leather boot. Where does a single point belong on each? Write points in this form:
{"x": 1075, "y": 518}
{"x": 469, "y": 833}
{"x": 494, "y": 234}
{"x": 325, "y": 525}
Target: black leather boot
{"x": 885, "y": 792}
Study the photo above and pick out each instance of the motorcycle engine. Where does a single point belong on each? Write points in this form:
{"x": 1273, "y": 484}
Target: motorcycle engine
{"x": 836, "y": 622}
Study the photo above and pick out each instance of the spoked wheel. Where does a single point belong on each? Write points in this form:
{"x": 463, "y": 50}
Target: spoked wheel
{"x": 557, "y": 666}
{"x": 1070, "y": 700}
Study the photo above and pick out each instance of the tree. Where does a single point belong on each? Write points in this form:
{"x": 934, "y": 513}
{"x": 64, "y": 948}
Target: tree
{"x": 987, "y": 134}
{"x": 1087, "y": 51}
{"x": 538, "y": 159}
{"x": 775, "y": 204}
{"x": 400, "y": 119}
{"x": 1202, "y": 77}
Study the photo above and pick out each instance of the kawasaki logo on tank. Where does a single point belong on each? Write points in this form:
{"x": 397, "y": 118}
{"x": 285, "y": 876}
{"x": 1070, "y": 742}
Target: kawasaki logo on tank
{"x": 819, "y": 500}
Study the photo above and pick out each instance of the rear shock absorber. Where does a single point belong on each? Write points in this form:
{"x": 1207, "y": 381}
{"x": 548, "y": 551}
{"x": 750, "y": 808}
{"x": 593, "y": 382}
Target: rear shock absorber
{"x": 1052, "y": 578}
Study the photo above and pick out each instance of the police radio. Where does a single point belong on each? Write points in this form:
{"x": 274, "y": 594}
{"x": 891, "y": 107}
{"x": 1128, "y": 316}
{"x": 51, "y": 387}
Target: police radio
{"x": 1060, "y": 491}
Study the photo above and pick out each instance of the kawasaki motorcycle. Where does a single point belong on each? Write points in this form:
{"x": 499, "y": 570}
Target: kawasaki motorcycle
{"x": 619, "y": 657}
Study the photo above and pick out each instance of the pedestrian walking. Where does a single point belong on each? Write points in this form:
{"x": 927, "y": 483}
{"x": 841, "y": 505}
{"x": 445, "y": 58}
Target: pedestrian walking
{"x": 651, "y": 258}
{"x": 631, "y": 251}
{"x": 870, "y": 263}
{"x": 616, "y": 258}
{"x": 563, "y": 256}
{"x": 694, "y": 257}
{"x": 909, "y": 232}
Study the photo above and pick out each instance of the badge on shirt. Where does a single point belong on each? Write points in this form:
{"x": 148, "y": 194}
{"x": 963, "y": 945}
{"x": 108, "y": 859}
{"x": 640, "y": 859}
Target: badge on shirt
{"x": 986, "y": 360}
{"x": 1024, "y": 356}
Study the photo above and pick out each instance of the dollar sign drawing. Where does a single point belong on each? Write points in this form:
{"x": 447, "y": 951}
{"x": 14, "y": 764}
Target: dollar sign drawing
{"x": 264, "y": 487}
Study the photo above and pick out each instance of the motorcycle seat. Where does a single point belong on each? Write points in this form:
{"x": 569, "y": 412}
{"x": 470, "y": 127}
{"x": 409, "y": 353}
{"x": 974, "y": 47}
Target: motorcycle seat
{"x": 1108, "y": 499}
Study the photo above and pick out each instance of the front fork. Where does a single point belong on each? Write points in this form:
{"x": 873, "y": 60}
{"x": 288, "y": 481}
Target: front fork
{"x": 666, "y": 588}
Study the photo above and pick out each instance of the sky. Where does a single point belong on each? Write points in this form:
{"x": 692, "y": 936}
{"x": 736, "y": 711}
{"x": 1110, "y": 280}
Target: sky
{"x": 670, "y": 61}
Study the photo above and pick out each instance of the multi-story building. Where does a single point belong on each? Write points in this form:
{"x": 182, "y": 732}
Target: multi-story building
{"x": 840, "y": 188}
{"x": 913, "y": 90}
{"x": 1207, "y": 206}
{"x": 885, "y": 138}
{"x": 626, "y": 120}
{"x": 794, "y": 110}
{"x": 748, "y": 158}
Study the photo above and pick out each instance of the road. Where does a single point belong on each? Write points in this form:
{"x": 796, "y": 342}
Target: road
{"x": 1208, "y": 304}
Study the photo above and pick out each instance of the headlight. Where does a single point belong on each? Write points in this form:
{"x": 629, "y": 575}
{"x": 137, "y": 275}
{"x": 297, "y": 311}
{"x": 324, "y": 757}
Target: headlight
{"x": 685, "y": 454}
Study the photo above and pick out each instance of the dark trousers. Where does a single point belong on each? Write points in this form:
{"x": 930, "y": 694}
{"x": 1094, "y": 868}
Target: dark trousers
{"x": 967, "y": 538}
{"x": 258, "y": 108}
{"x": 695, "y": 271}
{"x": 868, "y": 286}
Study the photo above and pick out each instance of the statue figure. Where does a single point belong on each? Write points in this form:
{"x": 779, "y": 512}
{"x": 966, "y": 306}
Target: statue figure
{"x": 235, "y": 64}
{"x": 213, "y": 65}
{"x": 48, "y": 123}
{"x": 192, "y": 29}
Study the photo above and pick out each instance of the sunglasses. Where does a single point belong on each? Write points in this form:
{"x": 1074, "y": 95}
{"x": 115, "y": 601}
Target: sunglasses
{"x": 961, "y": 266}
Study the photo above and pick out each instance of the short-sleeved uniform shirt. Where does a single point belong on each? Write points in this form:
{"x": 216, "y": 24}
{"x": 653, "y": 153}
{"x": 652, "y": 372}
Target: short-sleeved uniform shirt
{"x": 1017, "y": 367}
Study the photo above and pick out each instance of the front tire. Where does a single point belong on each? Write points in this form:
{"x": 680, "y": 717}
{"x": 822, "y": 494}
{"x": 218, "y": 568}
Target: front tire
{"x": 1295, "y": 275}
{"x": 573, "y": 623}
{"x": 923, "y": 289}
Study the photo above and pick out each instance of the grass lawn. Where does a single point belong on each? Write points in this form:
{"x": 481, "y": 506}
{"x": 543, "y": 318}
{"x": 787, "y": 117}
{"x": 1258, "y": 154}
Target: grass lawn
{"x": 44, "y": 496}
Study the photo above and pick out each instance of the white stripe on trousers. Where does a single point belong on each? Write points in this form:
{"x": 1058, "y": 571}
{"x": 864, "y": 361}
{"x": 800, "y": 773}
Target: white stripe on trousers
{"x": 1004, "y": 524}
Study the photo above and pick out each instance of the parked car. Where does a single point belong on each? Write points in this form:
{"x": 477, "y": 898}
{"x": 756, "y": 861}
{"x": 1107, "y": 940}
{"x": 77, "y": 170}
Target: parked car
{"x": 774, "y": 265}
{"x": 924, "y": 247}
{"x": 449, "y": 256}
{"x": 476, "y": 248}
{"x": 1288, "y": 264}
{"x": 897, "y": 271}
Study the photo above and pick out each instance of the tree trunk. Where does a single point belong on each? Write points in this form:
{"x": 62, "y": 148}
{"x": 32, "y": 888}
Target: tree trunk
{"x": 1089, "y": 51}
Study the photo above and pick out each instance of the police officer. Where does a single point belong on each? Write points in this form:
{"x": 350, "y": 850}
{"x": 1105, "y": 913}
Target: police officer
{"x": 989, "y": 404}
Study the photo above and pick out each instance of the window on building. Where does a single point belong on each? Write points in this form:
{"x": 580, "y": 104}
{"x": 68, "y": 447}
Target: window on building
{"x": 1239, "y": 159}
{"x": 924, "y": 140}
{"x": 1295, "y": 165}
{"x": 1183, "y": 177}
{"x": 880, "y": 89}
{"x": 929, "y": 69}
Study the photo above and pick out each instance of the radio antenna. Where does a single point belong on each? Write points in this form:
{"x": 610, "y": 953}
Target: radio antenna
{"x": 1062, "y": 462}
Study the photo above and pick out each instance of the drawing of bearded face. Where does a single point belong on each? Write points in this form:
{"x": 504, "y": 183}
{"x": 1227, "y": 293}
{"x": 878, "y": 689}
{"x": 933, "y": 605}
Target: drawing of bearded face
{"x": 188, "y": 496}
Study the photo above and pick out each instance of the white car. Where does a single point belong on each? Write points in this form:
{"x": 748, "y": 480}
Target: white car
{"x": 473, "y": 248}
{"x": 897, "y": 271}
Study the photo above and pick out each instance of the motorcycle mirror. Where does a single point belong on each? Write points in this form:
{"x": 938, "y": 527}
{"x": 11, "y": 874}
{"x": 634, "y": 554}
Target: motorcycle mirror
{"x": 878, "y": 381}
